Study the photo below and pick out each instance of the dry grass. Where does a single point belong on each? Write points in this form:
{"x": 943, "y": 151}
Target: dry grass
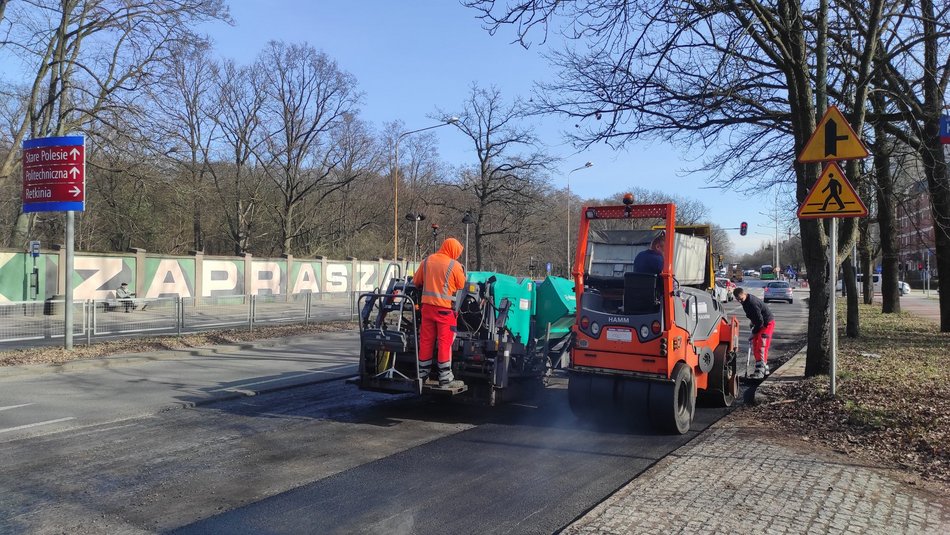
{"x": 58, "y": 355}
{"x": 893, "y": 395}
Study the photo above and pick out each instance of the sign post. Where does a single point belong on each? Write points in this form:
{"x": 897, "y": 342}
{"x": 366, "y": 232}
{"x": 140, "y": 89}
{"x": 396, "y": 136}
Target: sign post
{"x": 832, "y": 196}
{"x": 54, "y": 180}
{"x": 34, "y": 286}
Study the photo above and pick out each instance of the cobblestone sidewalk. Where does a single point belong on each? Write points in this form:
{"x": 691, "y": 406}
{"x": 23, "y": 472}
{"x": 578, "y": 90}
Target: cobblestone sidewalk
{"x": 737, "y": 478}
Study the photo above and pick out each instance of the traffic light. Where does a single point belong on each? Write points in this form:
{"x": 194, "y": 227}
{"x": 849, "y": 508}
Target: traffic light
{"x": 743, "y": 228}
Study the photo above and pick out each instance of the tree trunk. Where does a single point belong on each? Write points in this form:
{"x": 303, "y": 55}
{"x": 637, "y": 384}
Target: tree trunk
{"x": 286, "y": 228}
{"x": 935, "y": 162}
{"x": 886, "y": 205}
{"x": 867, "y": 268}
{"x": 852, "y": 329}
{"x": 805, "y": 113}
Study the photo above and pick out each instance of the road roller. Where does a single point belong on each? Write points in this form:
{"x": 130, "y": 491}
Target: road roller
{"x": 647, "y": 344}
{"x": 510, "y": 333}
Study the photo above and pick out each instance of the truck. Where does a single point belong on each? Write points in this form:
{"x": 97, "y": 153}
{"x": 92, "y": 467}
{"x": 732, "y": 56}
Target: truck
{"x": 511, "y": 332}
{"x": 646, "y": 344}
{"x": 734, "y": 272}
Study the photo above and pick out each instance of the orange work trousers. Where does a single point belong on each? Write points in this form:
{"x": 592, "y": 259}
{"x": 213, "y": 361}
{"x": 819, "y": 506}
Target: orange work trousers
{"x": 437, "y": 331}
{"x": 761, "y": 341}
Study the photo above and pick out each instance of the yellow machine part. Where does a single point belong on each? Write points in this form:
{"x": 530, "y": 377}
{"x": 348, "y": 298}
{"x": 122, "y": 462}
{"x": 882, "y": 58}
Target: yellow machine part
{"x": 382, "y": 361}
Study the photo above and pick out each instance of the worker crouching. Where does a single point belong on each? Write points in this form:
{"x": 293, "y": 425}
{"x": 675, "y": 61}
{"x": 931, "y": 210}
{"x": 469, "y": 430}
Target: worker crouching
{"x": 441, "y": 276}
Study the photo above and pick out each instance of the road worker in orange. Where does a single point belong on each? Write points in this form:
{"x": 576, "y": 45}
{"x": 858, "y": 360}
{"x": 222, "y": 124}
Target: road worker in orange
{"x": 441, "y": 275}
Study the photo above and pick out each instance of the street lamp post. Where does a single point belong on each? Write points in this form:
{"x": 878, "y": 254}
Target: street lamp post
{"x": 585, "y": 166}
{"x": 467, "y": 219}
{"x": 415, "y": 241}
{"x": 448, "y": 121}
{"x": 435, "y": 237}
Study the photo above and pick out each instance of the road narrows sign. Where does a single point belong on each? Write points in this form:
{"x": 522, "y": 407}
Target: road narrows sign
{"x": 54, "y": 174}
{"x": 832, "y": 196}
{"x": 833, "y": 140}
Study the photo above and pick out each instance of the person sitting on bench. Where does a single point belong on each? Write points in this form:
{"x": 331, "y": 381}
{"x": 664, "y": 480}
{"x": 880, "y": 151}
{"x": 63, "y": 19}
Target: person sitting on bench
{"x": 125, "y": 296}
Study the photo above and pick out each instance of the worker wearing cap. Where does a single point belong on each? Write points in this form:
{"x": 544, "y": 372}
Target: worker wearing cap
{"x": 763, "y": 325}
{"x": 441, "y": 276}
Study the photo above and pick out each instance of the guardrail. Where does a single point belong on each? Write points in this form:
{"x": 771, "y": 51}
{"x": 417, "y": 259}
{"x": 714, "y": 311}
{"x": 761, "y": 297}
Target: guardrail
{"x": 34, "y": 323}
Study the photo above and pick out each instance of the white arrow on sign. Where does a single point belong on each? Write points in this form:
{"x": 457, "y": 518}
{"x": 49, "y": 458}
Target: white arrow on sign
{"x": 74, "y": 172}
{"x": 75, "y": 191}
{"x": 74, "y": 153}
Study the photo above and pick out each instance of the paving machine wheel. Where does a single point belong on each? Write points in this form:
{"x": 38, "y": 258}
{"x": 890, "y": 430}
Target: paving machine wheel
{"x": 672, "y": 405}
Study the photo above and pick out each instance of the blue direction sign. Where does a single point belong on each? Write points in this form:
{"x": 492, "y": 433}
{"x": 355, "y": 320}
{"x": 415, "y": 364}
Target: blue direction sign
{"x": 54, "y": 174}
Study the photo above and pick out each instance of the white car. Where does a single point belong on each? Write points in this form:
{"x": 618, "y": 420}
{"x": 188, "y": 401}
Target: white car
{"x": 721, "y": 294}
{"x": 902, "y": 286}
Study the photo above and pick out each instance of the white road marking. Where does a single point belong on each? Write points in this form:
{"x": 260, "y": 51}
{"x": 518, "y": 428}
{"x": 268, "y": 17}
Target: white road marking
{"x": 15, "y": 406}
{"x": 236, "y": 387}
{"x": 27, "y": 426}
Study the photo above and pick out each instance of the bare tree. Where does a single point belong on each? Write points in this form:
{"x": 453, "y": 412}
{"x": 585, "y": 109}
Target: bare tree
{"x": 88, "y": 56}
{"x": 420, "y": 171}
{"x": 502, "y": 177}
{"x": 308, "y": 96}
{"x": 336, "y": 220}
{"x": 239, "y": 183}
{"x": 186, "y": 112}
{"x": 916, "y": 75}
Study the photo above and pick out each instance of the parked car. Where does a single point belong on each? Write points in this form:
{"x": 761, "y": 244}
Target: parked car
{"x": 902, "y": 287}
{"x": 728, "y": 285}
{"x": 778, "y": 291}
{"x": 720, "y": 294}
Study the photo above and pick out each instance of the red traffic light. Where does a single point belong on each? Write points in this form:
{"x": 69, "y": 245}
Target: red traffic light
{"x": 743, "y": 228}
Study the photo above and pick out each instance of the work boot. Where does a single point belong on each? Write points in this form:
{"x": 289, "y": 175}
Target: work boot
{"x": 451, "y": 384}
{"x": 446, "y": 377}
{"x": 759, "y": 372}
{"x": 765, "y": 369}
{"x": 425, "y": 370}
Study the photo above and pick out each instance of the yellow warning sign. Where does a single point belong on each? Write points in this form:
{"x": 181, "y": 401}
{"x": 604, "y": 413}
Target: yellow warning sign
{"x": 832, "y": 196}
{"x": 833, "y": 139}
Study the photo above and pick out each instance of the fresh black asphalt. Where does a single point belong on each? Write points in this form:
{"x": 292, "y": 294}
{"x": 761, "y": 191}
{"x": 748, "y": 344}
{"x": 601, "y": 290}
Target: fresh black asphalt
{"x": 530, "y": 470}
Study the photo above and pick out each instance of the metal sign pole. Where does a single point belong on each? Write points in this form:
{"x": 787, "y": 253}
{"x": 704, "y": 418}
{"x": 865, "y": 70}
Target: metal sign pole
{"x": 834, "y": 285}
{"x": 68, "y": 306}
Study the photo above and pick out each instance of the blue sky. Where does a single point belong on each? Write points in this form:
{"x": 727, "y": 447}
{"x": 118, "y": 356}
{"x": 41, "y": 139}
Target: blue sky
{"x": 414, "y": 56}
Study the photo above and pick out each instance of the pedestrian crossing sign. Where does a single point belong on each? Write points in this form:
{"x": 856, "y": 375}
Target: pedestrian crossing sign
{"x": 833, "y": 139}
{"x": 832, "y": 196}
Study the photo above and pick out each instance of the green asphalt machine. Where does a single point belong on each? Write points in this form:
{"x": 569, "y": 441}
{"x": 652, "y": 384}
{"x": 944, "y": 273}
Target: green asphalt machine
{"x": 511, "y": 332}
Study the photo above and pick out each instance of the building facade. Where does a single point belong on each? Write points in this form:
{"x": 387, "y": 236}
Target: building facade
{"x": 916, "y": 235}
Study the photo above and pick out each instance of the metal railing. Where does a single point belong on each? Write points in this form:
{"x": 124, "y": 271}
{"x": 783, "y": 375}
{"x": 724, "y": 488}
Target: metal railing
{"x": 36, "y": 323}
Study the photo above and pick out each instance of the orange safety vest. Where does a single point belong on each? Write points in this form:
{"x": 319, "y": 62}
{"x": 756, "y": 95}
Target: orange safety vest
{"x": 441, "y": 275}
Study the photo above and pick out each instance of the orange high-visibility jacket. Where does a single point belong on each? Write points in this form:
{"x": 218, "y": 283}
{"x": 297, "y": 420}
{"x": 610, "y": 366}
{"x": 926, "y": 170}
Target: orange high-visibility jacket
{"x": 441, "y": 275}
